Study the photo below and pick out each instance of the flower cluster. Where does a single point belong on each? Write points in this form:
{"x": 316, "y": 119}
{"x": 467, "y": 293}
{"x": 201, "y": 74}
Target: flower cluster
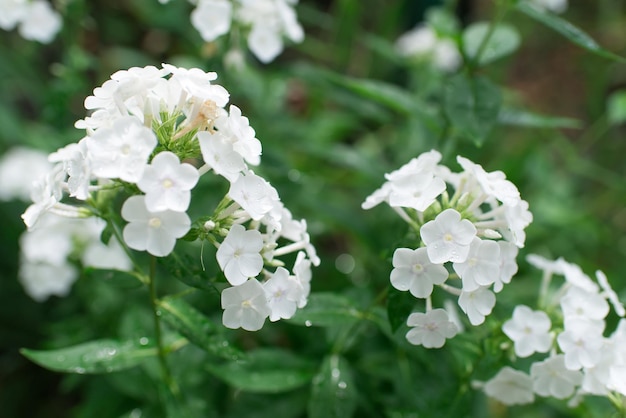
{"x": 35, "y": 19}
{"x": 581, "y": 360}
{"x": 423, "y": 42}
{"x": 149, "y": 129}
{"x": 266, "y": 23}
{"x": 472, "y": 236}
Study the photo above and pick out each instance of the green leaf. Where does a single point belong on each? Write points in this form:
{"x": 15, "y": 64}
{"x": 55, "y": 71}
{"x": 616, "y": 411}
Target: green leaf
{"x": 333, "y": 392}
{"x": 326, "y": 310}
{"x": 196, "y": 327}
{"x": 179, "y": 266}
{"x": 399, "y": 307}
{"x": 503, "y": 40}
{"x": 616, "y": 108}
{"x": 386, "y": 94}
{"x": 519, "y": 117}
{"x": 472, "y": 105}
{"x": 267, "y": 370}
{"x": 571, "y": 32}
{"x": 100, "y": 356}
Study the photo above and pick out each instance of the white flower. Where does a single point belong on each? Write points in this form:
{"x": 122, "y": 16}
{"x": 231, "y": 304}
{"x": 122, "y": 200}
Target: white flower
{"x": 45, "y": 194}
{"x": 617, "y": 381}
{"x": 610, "y": 294}
{"x": 418, "y": 41}
{"x": 508, "y": 264}
{"x": 198, "y": 84}
{"x": 283, "y": 293}
{"x": 302, "y": 271}
{"x": 167, "y": 183}
{"x": 121, "y": 151}
{"x": 581, "y": 343}
{"x": 580, "y": 303}
{"x": 218, "y": 152}
{"x": 265, "y": 42}
{"x": 511, "y": 387}
{"x": 12, "y": 13}
{"x": 446, "y": 55}
{"x": 448, "y": 237}
{"x": 49, "y": 243}
{"x": 477, "y": 304}
{"x": 576, "y": 277}
{"x": 41, "y": 280}
{"x": 212, "y": 18}
{"x": 493, "y": 184}
{"x": 255, "y": 195}
{"x": 40, "y": 22}
{"x": 413, "y": 271}
{"x": 552, "y": 378}
{"x": 482, "y": 266}
{"x": 74, "y": 158}
{"x": 529, "y": 330}
{"x": 430, "y": 329}
{"x": 155, "y": 232}
{"x": 239, "y": 255}
{"x": 237, "y": 129}
{"x": 19, "y": 168}
{"x": 245, "y": 306}
{"x": 106, "y": 256}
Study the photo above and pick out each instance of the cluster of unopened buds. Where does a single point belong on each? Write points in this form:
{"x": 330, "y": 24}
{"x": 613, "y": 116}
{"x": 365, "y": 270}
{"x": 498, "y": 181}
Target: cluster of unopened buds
{"x": 151, "y": 136}
{"x": 569, "y": 328}
{"x": 465, "y": 243}
{"x": 265, "y": 22}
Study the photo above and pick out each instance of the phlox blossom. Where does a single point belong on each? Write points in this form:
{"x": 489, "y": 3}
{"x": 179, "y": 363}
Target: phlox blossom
{"x": 529, "y": 330}
{"x": 448, "y": 237}
{"x": 245, "y": 306}
{"x": 511, "y": 387}
{"x": 239, "y": 255}
{"x": 552, "y": 378}
{"x": 414, "y": 272}
{"x": 283, "y": 293}
{"x": 430, "y": 329}
{"x": 154, "y": 232}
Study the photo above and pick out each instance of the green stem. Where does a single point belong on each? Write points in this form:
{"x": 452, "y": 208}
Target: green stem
{"x": 165, "y": 372}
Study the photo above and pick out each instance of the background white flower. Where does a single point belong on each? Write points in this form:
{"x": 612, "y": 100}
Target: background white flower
{"x": 552, "y": 378}
{"x": 511, "y": 387}
{"x": 529, "y": 330}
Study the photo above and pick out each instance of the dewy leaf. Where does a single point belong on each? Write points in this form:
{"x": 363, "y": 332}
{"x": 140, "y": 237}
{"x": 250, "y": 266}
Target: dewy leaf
{"x": 472, "y": 105}
{"x": 562, "y": 26}
{"x": 267, "y": 370}
{"x": 519, "y": 117}
{"x": 399, "y": 307}
{"x": 100, "y": 356}
{"x": 333, "y": 393}
{"x": 196, "y": 327}
{"x": 326, "y": 310}
{"x": 503, "y": 40}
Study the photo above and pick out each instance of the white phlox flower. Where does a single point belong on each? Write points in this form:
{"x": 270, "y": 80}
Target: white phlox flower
{"x": 414, "y": 272}
{"x": 239, "y": 255}
{"x": 212, "y": 18}
{"x": 430, "y": 329}
{"x": 582, "y": 343}
{"x": 477, "y": 304}
{"x": 245, "y": 306}
{"x": 283, "y": 293}
{"x": 448, "y": 237}
{"x": 422, "y": 42}
{"x": 482, "y": 265}
{"x": 254, "y": 194}
{"x": 167, "y": 183}
{"x": 579, "y": 303}
{"x": 470, "y": 223}
{"x": 153, "y": 132}
{"x": 154, "y": 232}
{"x": 36, "y": 19}
{"x": 552, "y": 378}
{"x": 19, "y": 168}
{"x": 529, "y": 330}
{"x": 121, "y": 151}
{"x": 510, "y": 387}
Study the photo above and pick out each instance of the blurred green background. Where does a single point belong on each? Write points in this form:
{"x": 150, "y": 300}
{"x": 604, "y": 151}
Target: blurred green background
{"x": 325, "y": 148}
